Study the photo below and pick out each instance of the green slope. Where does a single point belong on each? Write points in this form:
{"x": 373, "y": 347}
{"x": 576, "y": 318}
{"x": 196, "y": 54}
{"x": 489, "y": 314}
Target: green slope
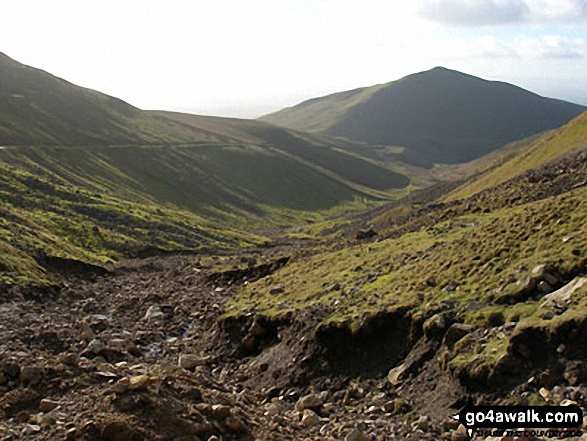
{"x": 37, "y": 108}
{"x": 546, "y": 148}
{"x": 438, "y": 116}
{"x": 343, "y": 159}
{"x": 483, "y": 260}
{"x": 89, "y": 177}
{"x": 43, "y": 215}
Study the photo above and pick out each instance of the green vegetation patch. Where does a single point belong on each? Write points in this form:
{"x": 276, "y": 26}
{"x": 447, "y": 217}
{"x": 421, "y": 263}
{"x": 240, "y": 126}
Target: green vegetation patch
{"x": 484, "y": 260}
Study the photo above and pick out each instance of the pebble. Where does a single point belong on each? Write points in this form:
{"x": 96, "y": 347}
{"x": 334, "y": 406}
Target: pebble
{"x": 357, "y": 435}
{"x": 139, "y": 382}
{"x": 311, "y": 401}
{"x": 153, "y": 313}
{"x": 190, "y": 361}
{"x": 47, "y": 405}
{"x": 31, "y": 374}
{"x": 310, "y": 418}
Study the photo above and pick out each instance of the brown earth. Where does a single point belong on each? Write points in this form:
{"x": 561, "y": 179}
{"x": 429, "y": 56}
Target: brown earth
{"x": 141, "y": 351}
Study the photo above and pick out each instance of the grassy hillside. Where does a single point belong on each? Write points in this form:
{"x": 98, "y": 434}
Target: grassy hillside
{"x": 547, "y": 147}
{"x": 37, "y": 108}
{"x": 343, "y": 159}
{"x": 43, "y": 215}
{"x": 98, "y": 179}
{"x": 485, "y": 262}
{"x": 438, "y": 116}
{"x": 100, "y": 203}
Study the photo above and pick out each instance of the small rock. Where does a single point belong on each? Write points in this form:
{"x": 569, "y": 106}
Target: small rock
{"x": 563, "y": 294}
{"x": 236, "y": 424}
{"x": 548, "y": 315}
{"x": 279, "y": 289}
{"x": 538, "y": 269}
{"x": 257, "y": 329}
{"x": 357, "y": 435}
{"x": 31, "y": 375}
{"x": 548, "y": 379}
{"x": 551, "y": 279}
{"x": 47, "y": 405}
{"x": 139, "y": 382}
{"x": 545, "y": 287}
{"x": 395, "y": 376}
{"x": 575, "y": 372}
{"x": 423, "y": 423}
{"x": 311, "y": 401}
{"x": 69, "y": 358}
{"x": 272, "y": 409}
{"x": 250, "y": 343}
{"x": 450, "y": 424}
{"x": 153, "y": 313}
{"x": 213, "y": 438}
{"x": 121, "y": 386}
{"x": 567, "y": 402}
{"x": 87, "y": 333}
{"x": 71, "y": 434}
{"x": 191, "y": 361}
{"x": 310, "y": 418}
{"x": 32, "y": 428}
{"x": 366, "y": 234}
{"x": 455, "y": 332}
{"x": 95, "y": 346}
{"x": 220, "y": 411}
{"x": 436, "y": 326}
{"x": 118, "y": 344}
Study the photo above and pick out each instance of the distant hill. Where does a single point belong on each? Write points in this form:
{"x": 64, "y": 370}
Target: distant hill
{"x": 438, "y": 116}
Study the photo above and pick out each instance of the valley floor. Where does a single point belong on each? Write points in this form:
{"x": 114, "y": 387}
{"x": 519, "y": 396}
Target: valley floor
{"x": 145, "y": 350}
{"x": 143, "y": 353}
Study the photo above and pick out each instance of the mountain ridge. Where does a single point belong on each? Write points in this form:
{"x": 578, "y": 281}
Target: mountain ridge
{"x": 438, "y": 116}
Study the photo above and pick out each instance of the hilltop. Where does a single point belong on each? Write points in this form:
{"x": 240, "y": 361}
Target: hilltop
{"x": 437, "y": 116}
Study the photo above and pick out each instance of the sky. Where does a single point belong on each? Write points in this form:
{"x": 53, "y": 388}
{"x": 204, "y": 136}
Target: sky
{"x": 246, "y": 58}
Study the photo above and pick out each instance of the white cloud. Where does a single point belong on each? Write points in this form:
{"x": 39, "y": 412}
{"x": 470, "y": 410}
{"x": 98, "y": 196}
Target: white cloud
{"x": 505, "y": 12}
{"x": 474, "y": 12}
{"x": 490, "y": 47}
{"x": 557, "y": 12}
{"x": 551, "y": 46}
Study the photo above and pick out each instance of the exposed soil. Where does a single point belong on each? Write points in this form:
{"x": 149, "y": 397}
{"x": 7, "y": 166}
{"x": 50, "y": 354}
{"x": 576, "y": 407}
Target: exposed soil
{"x": 141, "y": 351}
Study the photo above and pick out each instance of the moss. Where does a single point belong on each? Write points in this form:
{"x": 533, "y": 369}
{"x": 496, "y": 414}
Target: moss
{"x": 474, "y": 258}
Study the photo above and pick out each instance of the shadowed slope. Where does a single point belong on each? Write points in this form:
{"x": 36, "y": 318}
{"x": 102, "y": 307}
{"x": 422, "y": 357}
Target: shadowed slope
{"x": 439, "y": 116}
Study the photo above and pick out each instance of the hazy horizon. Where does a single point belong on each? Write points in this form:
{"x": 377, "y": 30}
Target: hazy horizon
{"x": 247, "y": 59}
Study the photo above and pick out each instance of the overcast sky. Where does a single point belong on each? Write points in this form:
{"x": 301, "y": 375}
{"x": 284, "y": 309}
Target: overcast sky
{"x": 249, "y": 57}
